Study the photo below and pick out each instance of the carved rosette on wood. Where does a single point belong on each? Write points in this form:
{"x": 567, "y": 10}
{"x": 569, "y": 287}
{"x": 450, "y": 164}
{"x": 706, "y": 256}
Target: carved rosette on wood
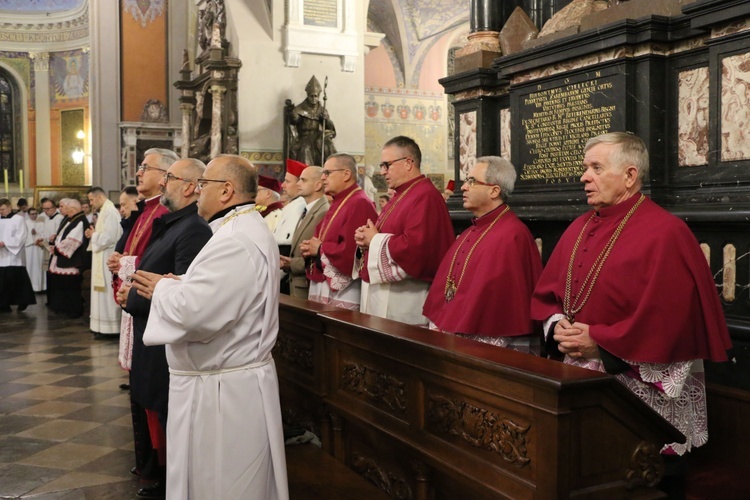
{"x": 295, "y": 351}
{"x": 378, "y": 387}
{"x": 479, "y": 427}
{"x": 646, "y": 466}
{"x": 395, "y": 486}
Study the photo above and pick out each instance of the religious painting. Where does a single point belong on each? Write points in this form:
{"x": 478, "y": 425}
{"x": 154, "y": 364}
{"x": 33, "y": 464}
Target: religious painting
{"x": 735, "y": 107}
{"x": 69, "y": 75}
{"x": 467, "y": 146}
{"x": 144, "y": 11}
{"x": 692, "y": 134}
{"x": 57, "y": 193}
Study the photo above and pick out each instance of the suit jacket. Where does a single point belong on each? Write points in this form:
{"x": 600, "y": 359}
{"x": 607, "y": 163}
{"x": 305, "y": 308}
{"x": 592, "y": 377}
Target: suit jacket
{"x": 305, "y": 230}
{"x": 176, "y": 239}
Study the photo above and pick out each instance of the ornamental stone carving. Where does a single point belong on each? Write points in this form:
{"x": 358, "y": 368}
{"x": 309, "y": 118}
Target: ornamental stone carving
{"x": 479, "y": 427}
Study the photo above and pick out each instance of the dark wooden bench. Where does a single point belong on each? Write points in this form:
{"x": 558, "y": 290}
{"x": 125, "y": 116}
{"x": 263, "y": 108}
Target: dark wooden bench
{"x": 314, "y": 474}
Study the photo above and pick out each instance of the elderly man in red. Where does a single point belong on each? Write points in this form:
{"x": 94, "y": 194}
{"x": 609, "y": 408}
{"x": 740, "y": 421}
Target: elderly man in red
{"x": 628, "y": 291}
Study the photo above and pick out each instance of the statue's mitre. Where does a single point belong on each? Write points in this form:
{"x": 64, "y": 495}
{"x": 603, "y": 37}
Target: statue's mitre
{"x": 313, "y": 86}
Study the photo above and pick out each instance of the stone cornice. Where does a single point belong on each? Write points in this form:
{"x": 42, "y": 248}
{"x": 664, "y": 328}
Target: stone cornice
{"x": 40, "y": 32}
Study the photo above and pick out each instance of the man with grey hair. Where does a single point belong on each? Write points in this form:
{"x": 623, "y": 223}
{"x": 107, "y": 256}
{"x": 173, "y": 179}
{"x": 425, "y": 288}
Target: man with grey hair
{"x": 105, "y": 315}
{"x": 219, "y": 321}
{"x": 176, "y": 239}
{"x": 627, "y": 291}
{"x": 495, "y": 261}
{"x": 69, "y": 259}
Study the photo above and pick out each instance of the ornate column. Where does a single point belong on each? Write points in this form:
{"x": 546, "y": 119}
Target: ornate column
{"x": 217, "y": 93}
{"x": 43, "y": 130}
{"x": 187, "y": 126}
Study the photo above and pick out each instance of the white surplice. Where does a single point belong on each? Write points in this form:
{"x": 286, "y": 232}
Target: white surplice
{"x": 13, "y": 233}
{"x": 219, "y": 323}
{"x": 105, "y": 313}
{"x": 391, "y": 293}
{"x": 35, "y": 255}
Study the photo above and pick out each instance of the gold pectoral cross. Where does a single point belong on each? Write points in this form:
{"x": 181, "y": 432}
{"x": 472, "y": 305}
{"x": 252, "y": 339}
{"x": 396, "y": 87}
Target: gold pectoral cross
{"x": 450, "y": 289}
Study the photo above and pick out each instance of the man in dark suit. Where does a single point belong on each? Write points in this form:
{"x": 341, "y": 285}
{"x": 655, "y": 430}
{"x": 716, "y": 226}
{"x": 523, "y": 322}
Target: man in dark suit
{"x": 311, "y": 189}
{"x": 176, "y": 239}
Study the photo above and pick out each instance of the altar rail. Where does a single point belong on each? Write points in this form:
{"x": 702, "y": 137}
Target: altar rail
{"x": 424, "y": 415}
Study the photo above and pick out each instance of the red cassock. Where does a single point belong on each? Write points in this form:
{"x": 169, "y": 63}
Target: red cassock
{"x": 349, "y": 210}
{"x": 140, "y": 234}
{"x": 655, "y": 300}
{"x": 493, "y": 295}
{"x": 418, "y": 219}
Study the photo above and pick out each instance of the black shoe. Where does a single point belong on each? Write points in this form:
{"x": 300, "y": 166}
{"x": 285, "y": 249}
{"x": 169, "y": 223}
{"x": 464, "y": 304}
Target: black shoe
{"x": 126, "y": 387}
{"x": 134, "y": 470}
{"x": 22, "y": 308}
{"x": 156, "y": 490}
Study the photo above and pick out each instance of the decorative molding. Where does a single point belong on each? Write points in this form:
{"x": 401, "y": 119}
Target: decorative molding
{"x": 387, "y": 481}
{"x": 474, "y": 93}
{"x": 59, "y": 31}
{"x": 646, "y": 467}
{"x": 296, "y": 351}
{"x": 41, "y": 60}
{"x": 479, "y": 427}
{"x": 377, "y": 386}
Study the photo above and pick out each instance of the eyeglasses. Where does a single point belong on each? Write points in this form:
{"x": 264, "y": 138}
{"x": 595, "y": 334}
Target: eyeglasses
{"x": 471, "y": 181}
{"x": 145, "y": 167}
{"x": 169, "y": 176}
{"x": 387, "y": 164}
{"x": 202, "y": 182}
{"x": 326, "y": 173}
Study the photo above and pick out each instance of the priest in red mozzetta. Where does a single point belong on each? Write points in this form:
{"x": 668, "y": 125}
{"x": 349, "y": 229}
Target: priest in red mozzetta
{"x": 145, "y": 422}
{"x": 628, "y": 291}
{"x": 329, "y": 255}
{"x": 483, "y": 286}
{"x": 400, "y": 253}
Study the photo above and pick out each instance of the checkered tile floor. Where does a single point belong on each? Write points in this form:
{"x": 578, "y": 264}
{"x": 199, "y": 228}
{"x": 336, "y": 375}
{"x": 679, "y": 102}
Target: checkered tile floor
{"x": 65, "y": 427}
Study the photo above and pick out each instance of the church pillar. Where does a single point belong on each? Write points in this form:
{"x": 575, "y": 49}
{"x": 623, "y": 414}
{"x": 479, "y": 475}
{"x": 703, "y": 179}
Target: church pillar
{"x": 43, "y": 131}
{"x": 187, "y": 126}
{"x": 217, "y": 112}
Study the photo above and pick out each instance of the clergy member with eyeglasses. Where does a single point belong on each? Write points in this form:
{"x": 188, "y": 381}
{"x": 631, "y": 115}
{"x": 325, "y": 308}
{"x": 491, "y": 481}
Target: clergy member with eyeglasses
{"x": 399, "y": 254}
{"x": 329, "y": 255}
{"x": 122, "y": 264}
{"x": 482, "y": 290}
{"x": 219, "y": 322}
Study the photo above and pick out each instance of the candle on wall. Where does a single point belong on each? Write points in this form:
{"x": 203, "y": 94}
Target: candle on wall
{"x": 20, "y": 180}
{"x": 5, "y": 174}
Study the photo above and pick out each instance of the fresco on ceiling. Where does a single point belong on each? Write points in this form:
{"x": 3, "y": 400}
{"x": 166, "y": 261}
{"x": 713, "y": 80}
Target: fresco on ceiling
{"x": 40, "y": 5}
{"x": 69, "y": 75}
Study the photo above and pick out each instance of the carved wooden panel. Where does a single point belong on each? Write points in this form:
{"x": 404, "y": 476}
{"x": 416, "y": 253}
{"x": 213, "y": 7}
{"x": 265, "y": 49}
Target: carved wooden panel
{"x": 296, "y": 351}
{"x": 479, "y": 427}
{"x": 385, "y": 390}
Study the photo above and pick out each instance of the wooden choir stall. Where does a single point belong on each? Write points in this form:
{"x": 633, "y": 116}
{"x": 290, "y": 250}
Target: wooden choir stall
{"x": 425, "y": 415}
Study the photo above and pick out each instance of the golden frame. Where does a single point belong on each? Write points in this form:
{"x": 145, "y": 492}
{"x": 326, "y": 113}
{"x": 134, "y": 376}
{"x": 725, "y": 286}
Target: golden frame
{"x": 57, "y": 193}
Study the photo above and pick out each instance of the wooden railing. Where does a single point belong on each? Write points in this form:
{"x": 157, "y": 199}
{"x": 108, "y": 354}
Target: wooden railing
{"x": 426, "y": 415}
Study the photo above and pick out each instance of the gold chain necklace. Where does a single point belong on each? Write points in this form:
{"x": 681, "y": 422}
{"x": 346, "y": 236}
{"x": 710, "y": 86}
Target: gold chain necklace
{"x": 324, "y": 232}
{"x": 381, "y": 220}
{"x": 237, "y": 214}
{"x": 141, "y": 229}
{"x": 451, "y": 287}
{"x": 569, "y": 305}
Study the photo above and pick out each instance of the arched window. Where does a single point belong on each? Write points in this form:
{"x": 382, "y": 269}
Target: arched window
{"x": 8, "y": 100}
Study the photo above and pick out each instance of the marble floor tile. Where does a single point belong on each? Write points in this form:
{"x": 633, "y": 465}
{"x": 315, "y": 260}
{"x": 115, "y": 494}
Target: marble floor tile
{"x": 59, "y": 429}
{"x": 68, "y": 456}
{"x": 75, "y": 479}
{"x": 45, "y": 392}
{"x": 13, "y": 424}
{"x": 19, "y": 479}
{"x": 54, "y": 409}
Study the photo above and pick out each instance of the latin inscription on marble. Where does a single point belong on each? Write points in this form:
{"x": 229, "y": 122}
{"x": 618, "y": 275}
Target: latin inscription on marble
{"x": 556, "y": 122}
{"x": 322, "y": 13}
